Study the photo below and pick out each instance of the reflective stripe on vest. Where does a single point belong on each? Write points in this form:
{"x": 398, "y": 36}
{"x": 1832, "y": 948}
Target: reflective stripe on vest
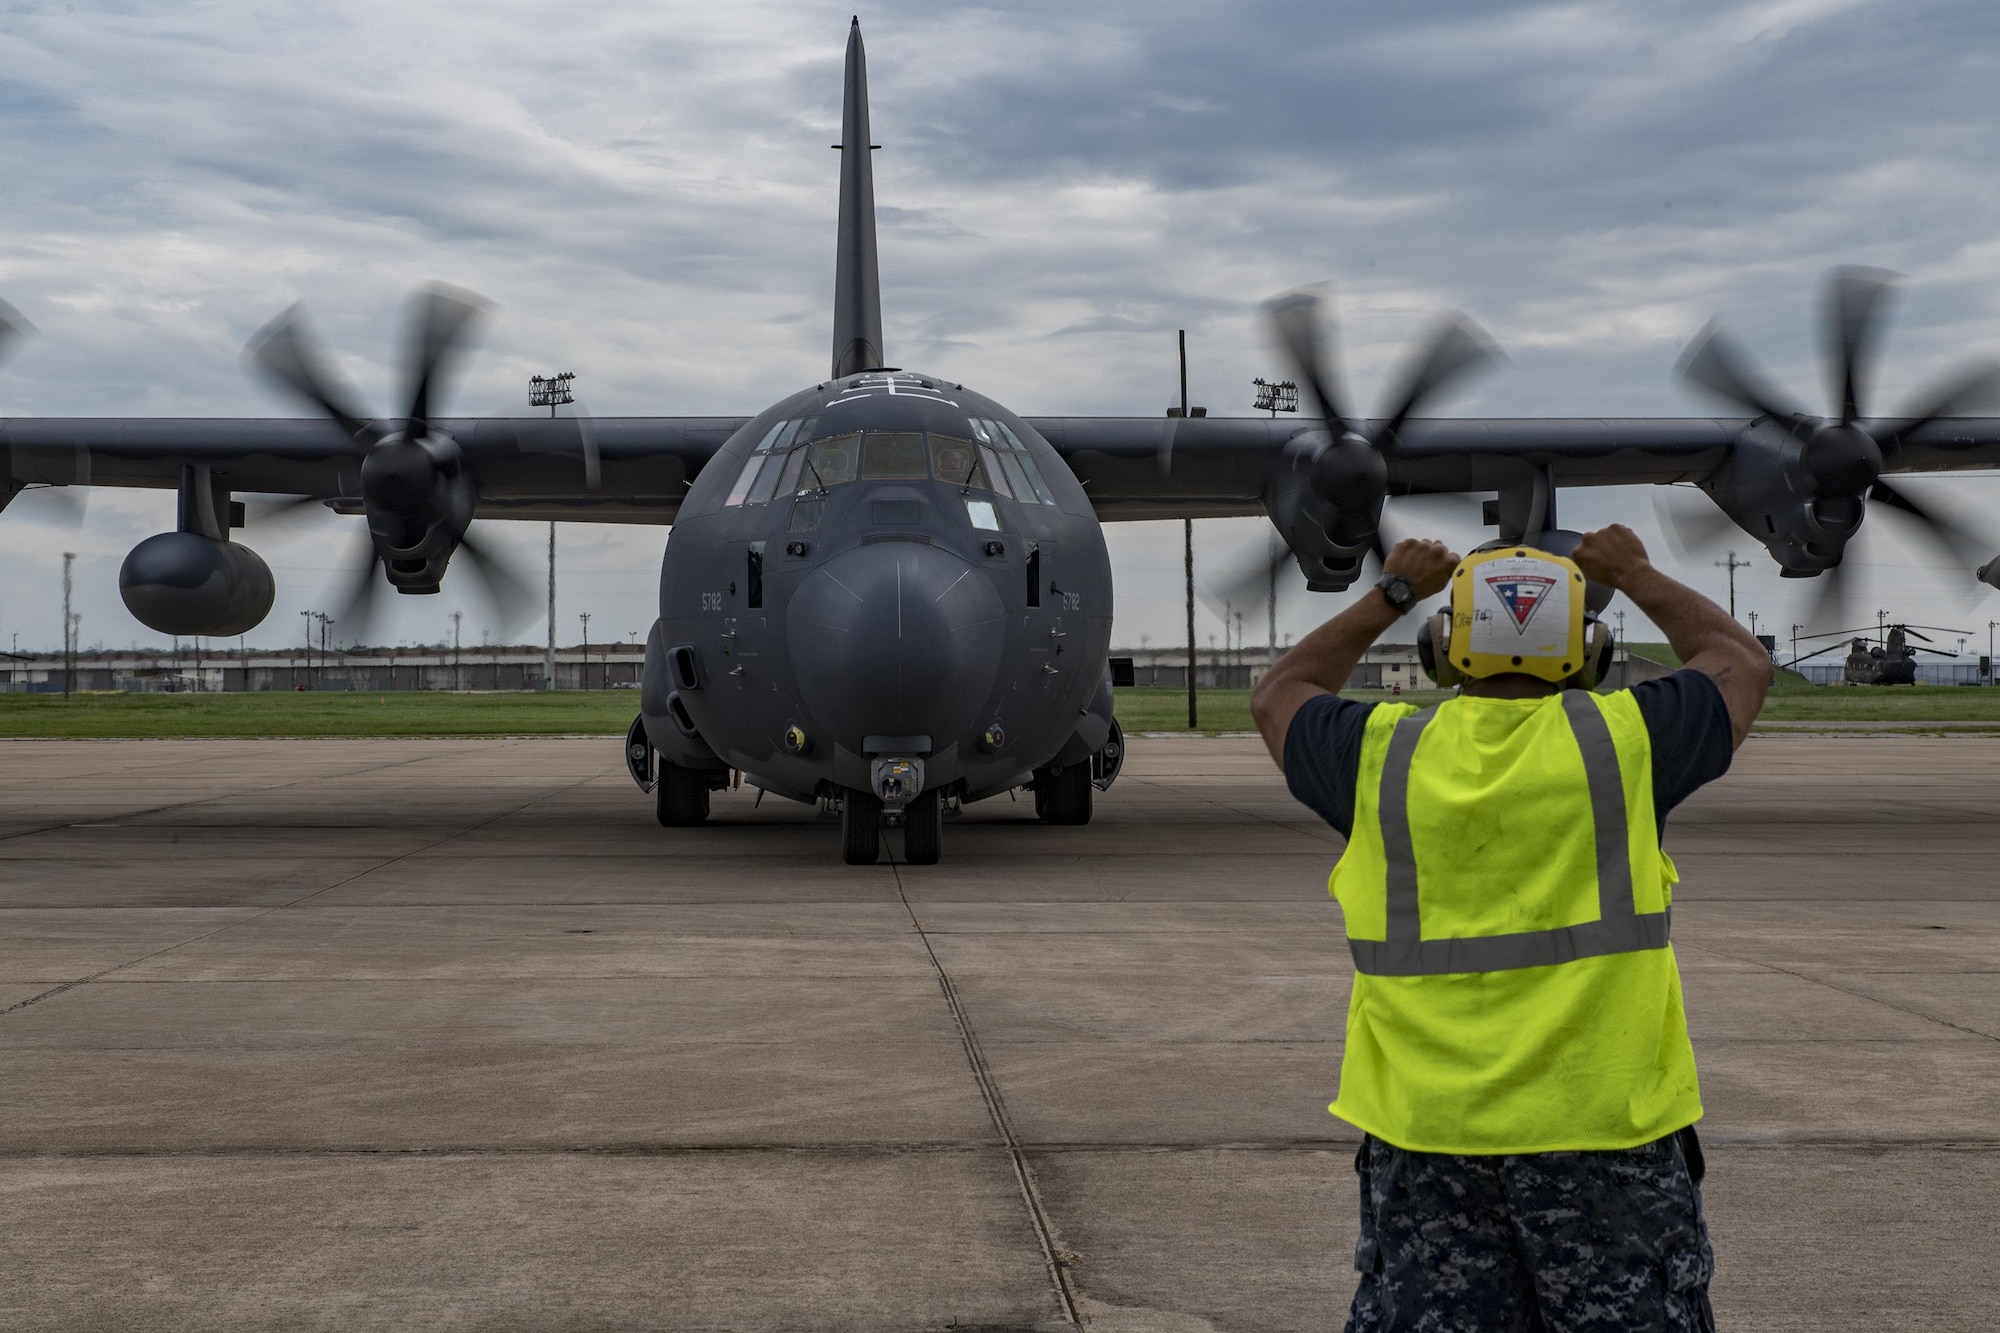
{"x": 1620, "y": 927}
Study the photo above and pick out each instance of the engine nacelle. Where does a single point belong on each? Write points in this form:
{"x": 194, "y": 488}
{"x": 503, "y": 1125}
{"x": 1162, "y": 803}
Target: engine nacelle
{"x": 1769, "y": 492}
{"x": 185, "y": 583}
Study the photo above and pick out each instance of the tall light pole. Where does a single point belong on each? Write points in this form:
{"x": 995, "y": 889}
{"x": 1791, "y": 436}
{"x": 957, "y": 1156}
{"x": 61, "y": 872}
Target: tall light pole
{"x": 1795, "y": 641}
{"x": 550, "y": 391}
{"x": 1187, "y": 542}
{"x": 457, "y": 681}
{"x": 1732, "y": 564}
{"x": 1271, "y": 603}
{"x": 69, "y": 627}
{"x": 583, "y": 676}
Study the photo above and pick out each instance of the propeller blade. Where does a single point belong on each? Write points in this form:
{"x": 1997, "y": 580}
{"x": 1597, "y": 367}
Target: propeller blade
{"x": 1960, "y": 544}
{"x": 1163, "y": 452}
{"x": 586, "y": 446}
{"x": 287, "y": 353}
{"x": 1455, "y": 349}
{"x": 14, "y": 327}
{"x": 1296, "y": 318}
{"x": 1968, "y": 387}
{"x": 439, "y": 319}
{"x": 363, "y": 600}
{"x": 1693, "y": 525}
{"x": 1831, "y": 605}
{"x": 1714, "y": 363}
{"x": 1851, "y": 308}
{"x": 512, "y": 595}
{"x": 1244, "y": 580}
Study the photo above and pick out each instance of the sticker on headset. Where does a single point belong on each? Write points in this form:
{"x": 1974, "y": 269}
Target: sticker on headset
{"x": 1521, "y": 608}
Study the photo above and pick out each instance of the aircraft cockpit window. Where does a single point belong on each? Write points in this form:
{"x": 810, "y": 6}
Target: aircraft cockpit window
{"x": 786, "y": 433}
{"x": 958, "y": 462}
{"x": 994, "y": 473}
{"x": 830, "y": 462}
{"x": 744, "y": 480}
{"x": 1042, "y": 491}
{"x": 762, "y": 474}
{"x": 893, "y": 455}
{"x": 1023, "y": 478}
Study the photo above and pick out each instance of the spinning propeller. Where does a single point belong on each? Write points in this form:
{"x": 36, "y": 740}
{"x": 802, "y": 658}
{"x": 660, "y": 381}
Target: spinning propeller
{"x": 1841, "y": 455}
{"x": 1350, "y": 474}
{"x": 55, "y": 501}
{"x": 417, "y": 490}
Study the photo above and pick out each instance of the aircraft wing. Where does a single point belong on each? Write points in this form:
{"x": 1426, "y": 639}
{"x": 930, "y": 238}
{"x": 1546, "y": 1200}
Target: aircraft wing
{"x": 525, "y": 467}
{"x": 1217, "y": 467}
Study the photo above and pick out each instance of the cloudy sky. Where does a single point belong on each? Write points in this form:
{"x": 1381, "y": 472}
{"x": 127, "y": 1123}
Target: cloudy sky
{"x": 645, "y": 191}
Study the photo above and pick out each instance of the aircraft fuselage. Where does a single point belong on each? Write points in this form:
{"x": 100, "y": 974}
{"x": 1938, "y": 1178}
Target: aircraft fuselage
{"x": 886, "y": 567}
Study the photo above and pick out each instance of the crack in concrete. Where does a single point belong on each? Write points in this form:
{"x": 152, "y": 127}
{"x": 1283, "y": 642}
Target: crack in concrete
{"x": 1024, "y": 1176}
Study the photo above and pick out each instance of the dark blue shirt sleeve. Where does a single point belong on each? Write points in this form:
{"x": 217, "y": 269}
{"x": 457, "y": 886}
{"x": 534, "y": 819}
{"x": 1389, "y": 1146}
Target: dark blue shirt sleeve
{"x": 1689, "y": 726}
{"x": 1323, "y": 757}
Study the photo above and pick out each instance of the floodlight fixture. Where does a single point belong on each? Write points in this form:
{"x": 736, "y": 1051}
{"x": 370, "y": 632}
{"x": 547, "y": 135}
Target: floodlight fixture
{"x": 550, "y": 390}
{"x": 1282, "y": 396}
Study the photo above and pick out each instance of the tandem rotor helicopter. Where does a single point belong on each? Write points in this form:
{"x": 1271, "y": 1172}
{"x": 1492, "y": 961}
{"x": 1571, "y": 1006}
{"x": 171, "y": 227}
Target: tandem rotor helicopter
{"x": 1891, "y": 661}
{"x": 888, "y": 594}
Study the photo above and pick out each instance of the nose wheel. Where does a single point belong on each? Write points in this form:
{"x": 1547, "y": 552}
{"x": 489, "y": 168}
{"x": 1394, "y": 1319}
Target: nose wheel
{"x": 860, "y": 827}
{"x": 923, "y": 831}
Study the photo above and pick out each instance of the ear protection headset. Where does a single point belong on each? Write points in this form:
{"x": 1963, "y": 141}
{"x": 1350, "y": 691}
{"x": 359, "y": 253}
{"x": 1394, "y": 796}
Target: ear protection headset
{"x": 1516, "y": 609}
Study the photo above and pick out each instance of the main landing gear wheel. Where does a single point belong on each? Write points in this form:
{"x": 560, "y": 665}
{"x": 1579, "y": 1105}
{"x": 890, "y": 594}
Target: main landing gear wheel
{"x": 860, "y": 827}
{"x": 923, "y": 829}
{"x": 1062, "y": 795}
{"x": 680, "y": 797}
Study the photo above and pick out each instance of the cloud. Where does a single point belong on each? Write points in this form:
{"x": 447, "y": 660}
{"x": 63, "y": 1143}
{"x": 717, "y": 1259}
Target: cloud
{"x": 646, "y": 193}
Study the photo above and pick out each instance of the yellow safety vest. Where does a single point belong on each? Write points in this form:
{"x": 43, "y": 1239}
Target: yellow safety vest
{"x": 1506, "y": 902}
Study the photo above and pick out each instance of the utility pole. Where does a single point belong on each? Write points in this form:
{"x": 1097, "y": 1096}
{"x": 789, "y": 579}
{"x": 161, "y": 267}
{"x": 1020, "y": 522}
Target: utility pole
{"x": 1795, "y": 641}
{"x": 309, "y": 647}
{"x": 1237, "y": 661}
{"x": 1271, "y": 603}
{"x": 457, "y": 682}
{"x": 583, "y": 675}
{"x": 1187, "y": 541}
{"x": 69, "y": 628}
{"x": 549, "y": 659}
{"x": 325, "y": 621}
{"x": 1753, "y": 624}
{"x": 1732, "y": 564}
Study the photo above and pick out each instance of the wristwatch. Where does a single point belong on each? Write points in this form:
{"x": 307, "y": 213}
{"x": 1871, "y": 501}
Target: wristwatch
{"x": 1397, "y": 592}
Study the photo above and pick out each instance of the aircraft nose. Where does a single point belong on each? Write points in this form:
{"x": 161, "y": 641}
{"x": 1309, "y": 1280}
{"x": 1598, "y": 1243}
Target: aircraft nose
{"x": 896, "y": 638}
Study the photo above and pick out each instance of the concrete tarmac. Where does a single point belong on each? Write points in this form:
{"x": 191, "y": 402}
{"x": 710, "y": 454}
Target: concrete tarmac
{"x": 448, "y": 1034}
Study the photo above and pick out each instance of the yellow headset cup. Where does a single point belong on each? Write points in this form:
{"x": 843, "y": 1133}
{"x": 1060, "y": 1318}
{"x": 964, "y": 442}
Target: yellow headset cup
{"x": 1517, "y": 609}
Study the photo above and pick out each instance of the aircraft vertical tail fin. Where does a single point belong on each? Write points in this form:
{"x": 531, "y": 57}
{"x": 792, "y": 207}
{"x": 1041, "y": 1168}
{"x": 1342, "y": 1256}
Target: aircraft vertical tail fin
{"x": 857, "y": 293}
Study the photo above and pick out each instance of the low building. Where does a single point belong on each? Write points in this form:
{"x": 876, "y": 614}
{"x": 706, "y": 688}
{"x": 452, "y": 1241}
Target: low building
{"x": 145, "y": 671}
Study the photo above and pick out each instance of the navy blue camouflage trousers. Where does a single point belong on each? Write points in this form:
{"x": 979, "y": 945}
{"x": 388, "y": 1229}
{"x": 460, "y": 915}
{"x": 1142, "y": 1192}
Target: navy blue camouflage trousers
{"x": 1559, "y": 1242}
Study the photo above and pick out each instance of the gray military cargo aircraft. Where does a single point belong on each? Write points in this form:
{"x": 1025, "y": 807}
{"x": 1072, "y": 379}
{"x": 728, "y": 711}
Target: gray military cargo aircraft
{"x": 890, "y": 594}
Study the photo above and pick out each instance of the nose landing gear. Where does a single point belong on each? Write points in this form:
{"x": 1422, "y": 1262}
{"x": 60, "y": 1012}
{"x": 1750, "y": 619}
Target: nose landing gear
{"x": 861, "y": 828}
